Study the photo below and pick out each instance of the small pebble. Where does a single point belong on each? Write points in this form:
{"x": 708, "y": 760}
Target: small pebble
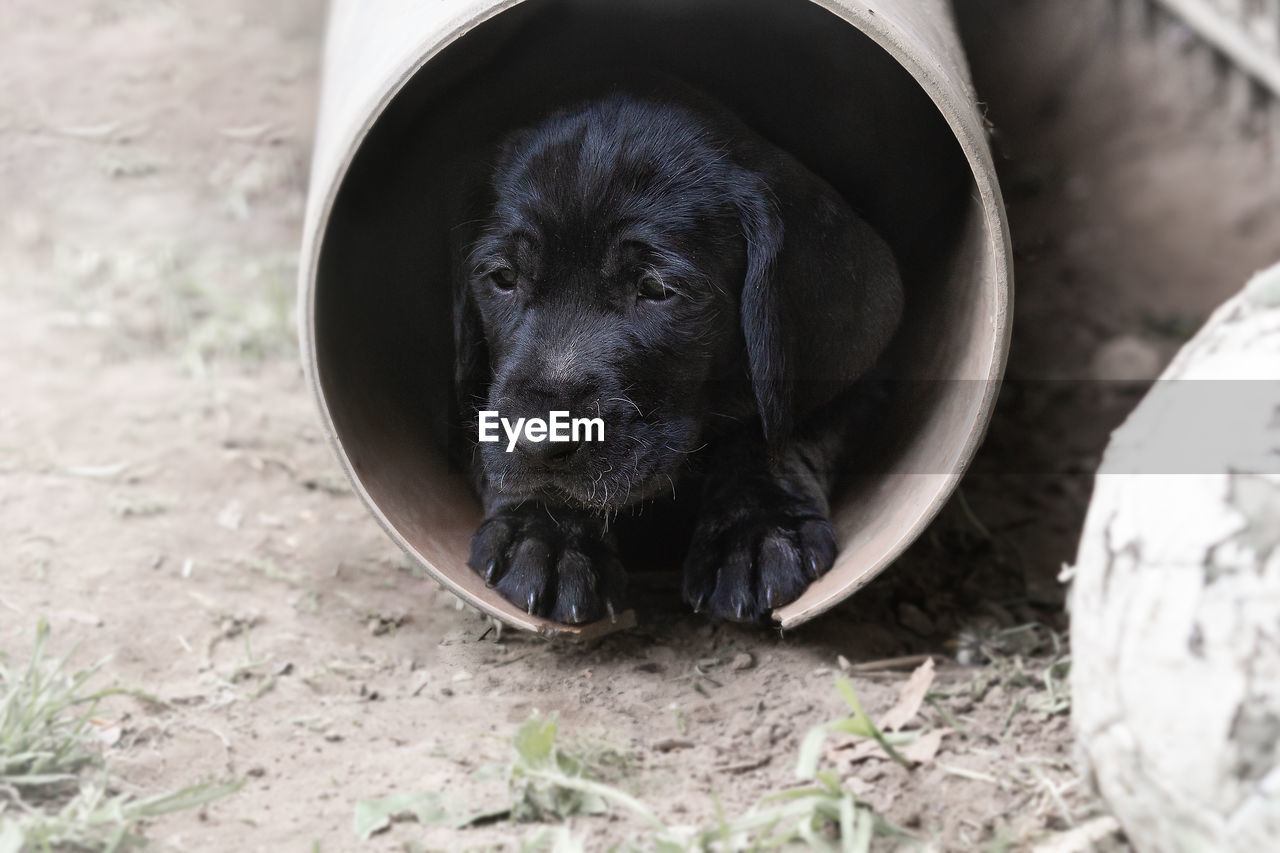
{"x": 914, "y": 619}
{"x": 231, "y": 516}
{"x": 741, "y": 661}
{"x": 662, "y": 654}
{"x": 1126, "y": 359}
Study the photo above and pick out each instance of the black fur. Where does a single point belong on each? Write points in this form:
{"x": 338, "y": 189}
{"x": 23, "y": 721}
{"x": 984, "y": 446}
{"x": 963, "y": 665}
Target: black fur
{"x": 659, "y": 265}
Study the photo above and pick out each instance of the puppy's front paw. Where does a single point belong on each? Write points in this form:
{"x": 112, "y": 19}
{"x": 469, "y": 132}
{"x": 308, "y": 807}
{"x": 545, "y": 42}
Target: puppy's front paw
{"x": 560, "y": 569}
{"x": 747, "y": 560}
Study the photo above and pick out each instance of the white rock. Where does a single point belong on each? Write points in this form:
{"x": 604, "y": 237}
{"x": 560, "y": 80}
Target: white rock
{"x": 1175, "y": 604}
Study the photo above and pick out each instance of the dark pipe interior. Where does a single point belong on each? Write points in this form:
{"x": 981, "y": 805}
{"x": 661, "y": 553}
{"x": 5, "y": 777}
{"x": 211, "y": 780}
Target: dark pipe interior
{"x": 795, "y": 72}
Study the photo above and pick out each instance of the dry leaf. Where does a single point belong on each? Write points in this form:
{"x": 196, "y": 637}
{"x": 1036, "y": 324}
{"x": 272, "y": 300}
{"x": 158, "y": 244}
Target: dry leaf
{"x": 108, "y": 732}
{"x": 1083, "y": 838}
{"x": 925, "y": 747}
{"x": 910, "y": 699}
{"x": 849, "y": 751}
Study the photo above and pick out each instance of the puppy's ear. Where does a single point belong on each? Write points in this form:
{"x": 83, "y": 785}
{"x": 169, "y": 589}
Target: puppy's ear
{"x": 473, "y": 196}
{"x": 761, "y": 307}
{"x": 822, "y": 295}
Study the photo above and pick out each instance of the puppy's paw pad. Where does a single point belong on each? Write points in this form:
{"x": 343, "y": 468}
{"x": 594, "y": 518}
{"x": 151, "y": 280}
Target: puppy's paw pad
{"x": 562, "y": 570}
{"x": 742, "y": 570}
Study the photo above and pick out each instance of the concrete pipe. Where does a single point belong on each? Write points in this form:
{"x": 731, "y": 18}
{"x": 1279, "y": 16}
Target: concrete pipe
{"x": 873, "y": 95}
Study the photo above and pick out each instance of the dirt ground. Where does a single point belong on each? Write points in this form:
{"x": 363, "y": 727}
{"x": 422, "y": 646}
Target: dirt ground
{"x": 168, "y": 499}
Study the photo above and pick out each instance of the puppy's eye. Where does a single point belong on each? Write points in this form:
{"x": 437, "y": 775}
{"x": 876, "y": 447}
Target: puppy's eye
{"x": 652, "y": 288}
{"x": 504, "y": 278}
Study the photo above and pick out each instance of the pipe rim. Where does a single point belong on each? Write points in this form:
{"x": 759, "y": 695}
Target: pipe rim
{"x": 964, "y": 124}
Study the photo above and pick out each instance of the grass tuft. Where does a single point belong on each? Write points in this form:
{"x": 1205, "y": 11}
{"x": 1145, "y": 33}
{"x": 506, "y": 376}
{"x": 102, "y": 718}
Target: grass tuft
{"x": 56, "y": 790}
{"x": 45, "y": 714}
{"x": 550, "y": 784}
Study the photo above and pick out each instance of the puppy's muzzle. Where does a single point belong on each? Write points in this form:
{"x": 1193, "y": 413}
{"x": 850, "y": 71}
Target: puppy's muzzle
{"x": 546, "y": 455}
{"x": 537, "y": 399}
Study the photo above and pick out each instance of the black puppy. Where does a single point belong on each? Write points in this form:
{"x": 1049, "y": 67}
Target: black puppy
{"x": 660, "y": 267}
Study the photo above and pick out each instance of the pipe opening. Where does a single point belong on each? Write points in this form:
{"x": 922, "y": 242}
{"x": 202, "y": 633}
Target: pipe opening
{"x": 800, "y": 75}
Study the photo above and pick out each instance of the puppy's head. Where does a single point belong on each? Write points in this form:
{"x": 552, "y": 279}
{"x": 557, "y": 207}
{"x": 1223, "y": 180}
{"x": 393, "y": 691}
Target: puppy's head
{"x": 626, "y": 263}
{"x": 603, "y": 281}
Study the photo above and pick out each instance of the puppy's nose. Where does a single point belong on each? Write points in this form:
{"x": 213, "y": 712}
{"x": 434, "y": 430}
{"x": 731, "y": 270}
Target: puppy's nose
{"x": 546, "y": 453}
